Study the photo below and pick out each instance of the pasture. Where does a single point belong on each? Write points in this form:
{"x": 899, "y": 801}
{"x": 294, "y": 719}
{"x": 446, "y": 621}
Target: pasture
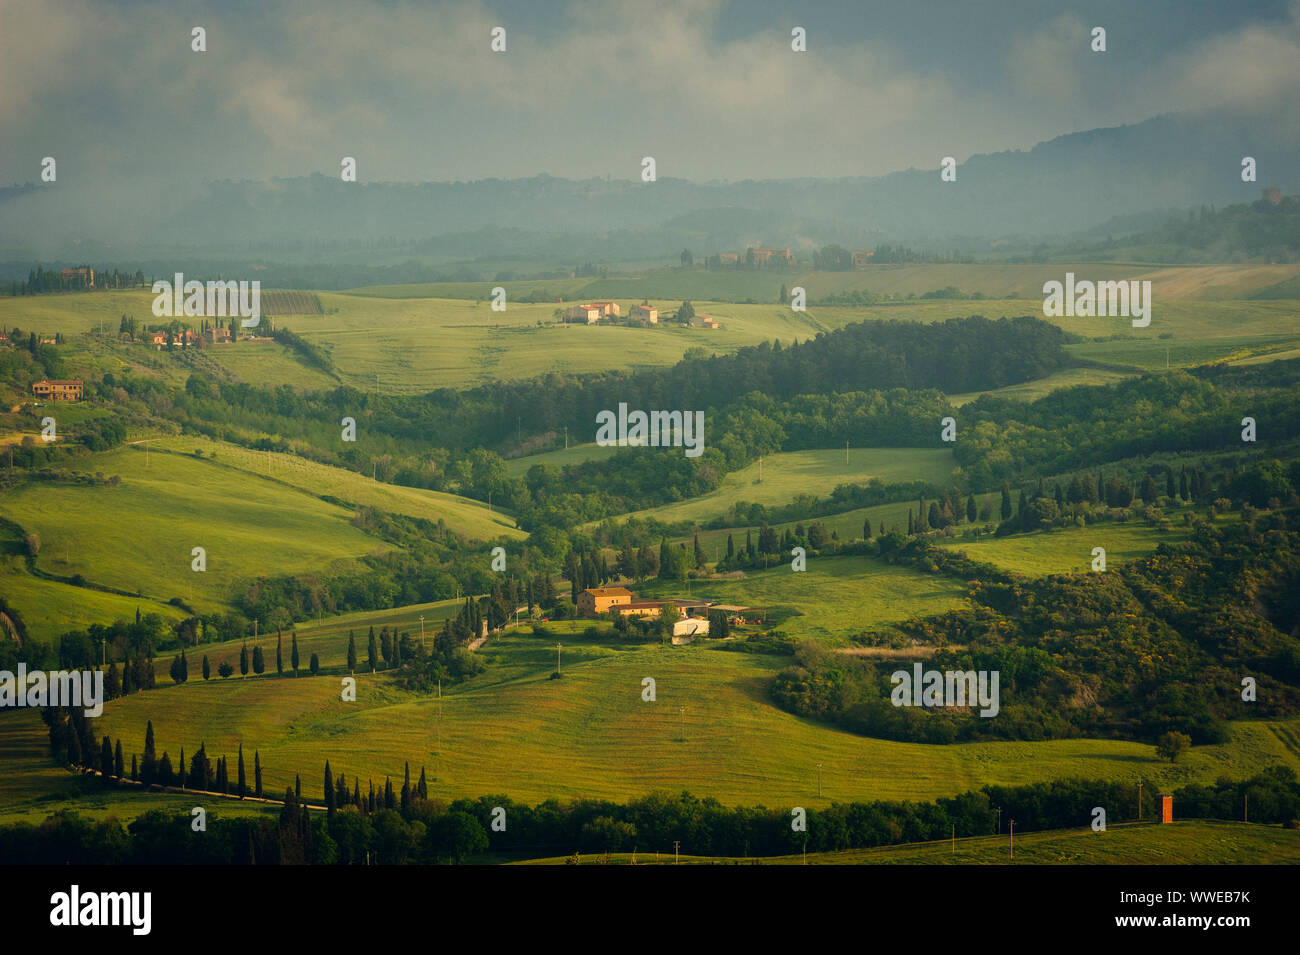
{"x": 1067, "y": 550}
{"x": 589, "y": 734}
{"x": 139, "y": 535}
{"x": 788, "y": 475}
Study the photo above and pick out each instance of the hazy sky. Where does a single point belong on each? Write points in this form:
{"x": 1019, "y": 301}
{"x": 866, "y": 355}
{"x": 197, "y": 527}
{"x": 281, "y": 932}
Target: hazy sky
{"x": 710, "y": 88}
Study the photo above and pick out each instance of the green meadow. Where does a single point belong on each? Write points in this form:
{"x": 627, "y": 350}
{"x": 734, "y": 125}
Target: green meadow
{"x": 139, "y": 535}
{"x": 790, "y": 474}
{"x": 1067, "y": 550}
{"x": 463, "y": 516}
{"x": 834, "y": 597}
{"x": 515, "y": 731}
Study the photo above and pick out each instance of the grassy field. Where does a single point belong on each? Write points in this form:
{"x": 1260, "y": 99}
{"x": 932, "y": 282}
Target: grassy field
{"x": 835, "y": 596}
{"x": 463, "y": 516}
{"x": 253, "y": 512}
{"x": 518, "y": 467}
{"x": 515, "y": 731}
{"x": 1067, "y": 550}
{"x": 1189, "y": 842}
{"x": 786, "y": 476}
{"x": 140, "y": 534}
{"x": 406, "y": 339}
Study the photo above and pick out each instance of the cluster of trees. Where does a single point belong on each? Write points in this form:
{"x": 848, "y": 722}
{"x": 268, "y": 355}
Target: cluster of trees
{"x": 41, "y": 279}
{"x": 1005, "y": 439}
{"x": 415, "y": 829}
{"x": 1157, "y": 645}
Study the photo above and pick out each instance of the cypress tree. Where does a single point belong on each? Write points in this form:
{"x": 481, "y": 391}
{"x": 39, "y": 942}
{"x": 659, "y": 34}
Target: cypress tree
{"x": 279, "y": 651}
{"x": 329, "y": 790}
{"x": 257, "y": 774}
{"x": 911, "y": 523}
{"x": 372, "y": 651}
{"x": 293, "y": 653}
{"x": 422, "y": 787}
{"x": 356, "y": 793}
{"x": 1006, "y": 501}
{"x": 180, "y": 768}
{"x": 106, "y": 760}
{"x": 972, "y": 511}
{"x": 390, "y": 800}
{"x": 243, "y": 780}
{"x": 243, "y": 660}
{"x": 135, "y": 768}
{"x": 149, "y": 763}
{"x": 207, "y": 668}
{"x": 406, "y": 789}
{"x": 1022, "y": 509}
{"x": 259, "y": 664}
{"x": 119, "y": 765}
{"x": 352, "y": 652}
{"x": 297, "y": 787}
{"x": 314, "y": 666}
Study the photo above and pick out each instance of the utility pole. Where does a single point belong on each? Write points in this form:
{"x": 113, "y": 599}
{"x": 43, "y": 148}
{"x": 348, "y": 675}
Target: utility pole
{"x": 1013, "y": 840}
{"x": 954, "y": 838}
{"x": 103, "y": 653}
{"x": 566, "y": 437}
{"x": 998, "y": 831}
{"x": 558, "y": 648}
{"x": 683, "y": 710}
{"x": 1139, "y": 800}
{"x": 1245, "y": 807}
{"x": 676, "y": 844}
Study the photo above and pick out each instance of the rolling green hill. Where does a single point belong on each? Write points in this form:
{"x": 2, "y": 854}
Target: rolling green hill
{"x": 515, "y": 731}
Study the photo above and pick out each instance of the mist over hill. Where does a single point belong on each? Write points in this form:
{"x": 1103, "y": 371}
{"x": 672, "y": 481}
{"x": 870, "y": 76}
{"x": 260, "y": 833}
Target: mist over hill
{"x": 1068, "y": 185}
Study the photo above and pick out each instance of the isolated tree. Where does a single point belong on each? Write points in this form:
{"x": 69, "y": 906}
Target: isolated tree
{"x": 149, "y": 762}
{"x": 315, "y": 664}
{"x": 1173, "y": 745}
{"x": 207, "y": 668}
{"x": 106, "y": 759}
{"x": 225, "y": 669}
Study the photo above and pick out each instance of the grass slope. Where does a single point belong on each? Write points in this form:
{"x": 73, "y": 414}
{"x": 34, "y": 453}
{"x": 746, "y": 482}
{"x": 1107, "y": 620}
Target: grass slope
{"x": 517, "y": 732}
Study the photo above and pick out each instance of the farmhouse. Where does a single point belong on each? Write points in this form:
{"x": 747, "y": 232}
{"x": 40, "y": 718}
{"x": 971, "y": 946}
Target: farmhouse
{"x": 862, "y": 257}
{"x": 763, "y": 256}
{"x": 595, "y": 601}
{"x": 79, "y": 278}
{"x": 707, "y": 321}
{"x": 58, "y": 390}
{"x": 644, "y": 313}
{"x": 584, "y": 313}
{"x": 607, "y": 309}
{"x": 218, "y": 335}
